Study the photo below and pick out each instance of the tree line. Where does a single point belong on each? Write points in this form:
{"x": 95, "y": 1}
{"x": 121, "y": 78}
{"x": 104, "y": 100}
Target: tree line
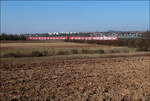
{"x": 5, "y": 36}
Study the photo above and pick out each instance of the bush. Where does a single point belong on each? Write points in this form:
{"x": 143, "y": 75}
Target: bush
{"x": 91, "y": 52}
{"x": 45, "y": 53}
{"x": 36, "y": 54}
{"x": 61, "y": 52}
{"x": 139, "y": 49}
{"x": 126, "y": 51}
{"x": 114, "y": 51}
{"x": 86, "y": 51}
{"x": 148, "y": 48}
{"x": 9, "y": 55}
{"x": 52, "y": 53}
{"x": 99, "y": 51}
{"x": 142, "y": 49}
{"x": 17, "y": 54}
{"x": 74, "y": 51}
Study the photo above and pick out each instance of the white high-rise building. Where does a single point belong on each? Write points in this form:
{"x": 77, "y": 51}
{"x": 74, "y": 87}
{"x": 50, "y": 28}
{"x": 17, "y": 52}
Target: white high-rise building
{"x": 49, "y": 33}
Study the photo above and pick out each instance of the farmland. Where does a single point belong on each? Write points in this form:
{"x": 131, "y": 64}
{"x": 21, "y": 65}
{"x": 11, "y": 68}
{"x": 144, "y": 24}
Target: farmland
{"x": 73, "y": 71}
{"x": 54, "y": 48}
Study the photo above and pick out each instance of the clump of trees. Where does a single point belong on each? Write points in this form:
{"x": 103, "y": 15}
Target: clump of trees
{"x": 146, "y": 35}
{"x": 5, "y": 36}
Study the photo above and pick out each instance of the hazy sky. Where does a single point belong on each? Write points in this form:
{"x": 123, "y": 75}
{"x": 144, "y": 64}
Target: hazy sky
{"x": 76, "y": 16}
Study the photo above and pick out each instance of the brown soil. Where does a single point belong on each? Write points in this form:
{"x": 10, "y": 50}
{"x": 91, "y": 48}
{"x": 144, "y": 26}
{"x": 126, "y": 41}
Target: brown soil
{"x": 91, "y": 79}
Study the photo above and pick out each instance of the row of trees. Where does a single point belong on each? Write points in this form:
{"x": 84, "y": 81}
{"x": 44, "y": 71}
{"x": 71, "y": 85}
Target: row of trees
{"x": 5, "y": 36}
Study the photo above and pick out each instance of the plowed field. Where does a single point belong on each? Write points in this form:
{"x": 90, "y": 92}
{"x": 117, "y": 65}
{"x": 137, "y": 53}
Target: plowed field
{"x": 90, "y": 79}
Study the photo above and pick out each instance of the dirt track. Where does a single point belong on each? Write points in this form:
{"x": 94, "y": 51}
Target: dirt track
{"x": 95, "y": 79}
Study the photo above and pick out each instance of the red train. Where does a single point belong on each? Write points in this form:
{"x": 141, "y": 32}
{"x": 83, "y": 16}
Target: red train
{"x": 73, "y": 38}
